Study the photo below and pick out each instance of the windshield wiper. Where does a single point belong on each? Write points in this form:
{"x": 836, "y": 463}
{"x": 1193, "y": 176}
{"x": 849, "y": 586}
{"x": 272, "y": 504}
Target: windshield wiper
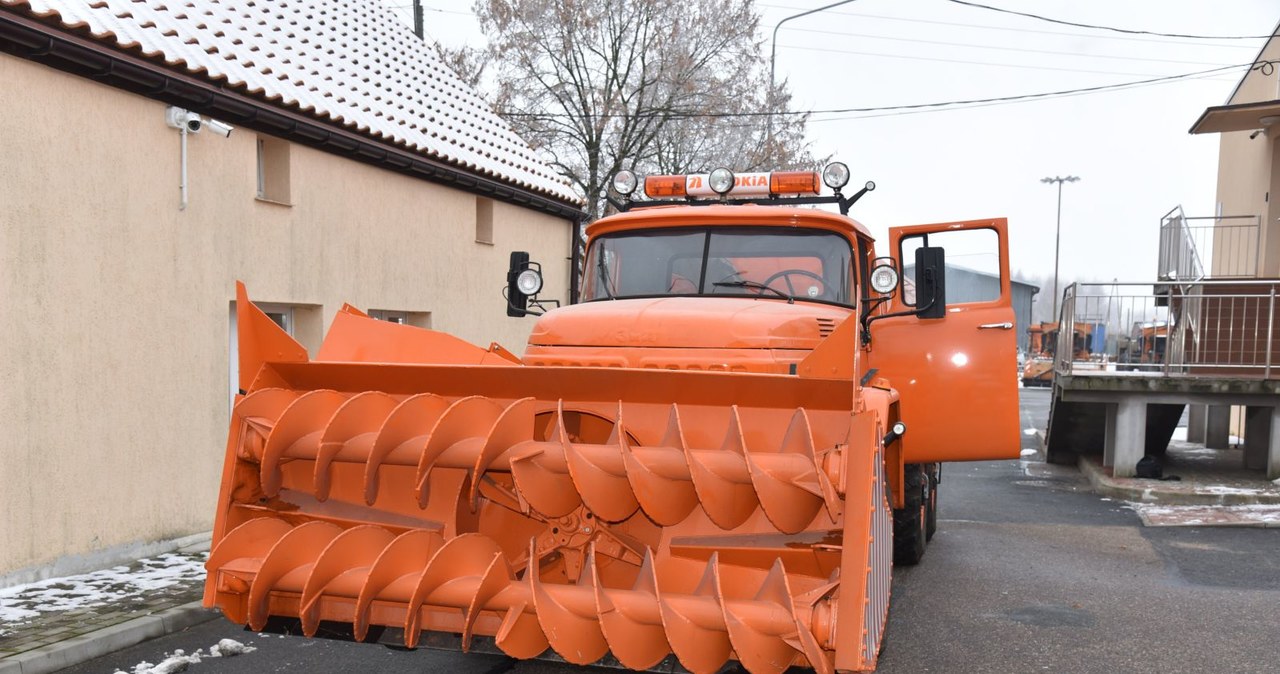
{"x": 757, "y": 285}
{"x": 603, "y": 275}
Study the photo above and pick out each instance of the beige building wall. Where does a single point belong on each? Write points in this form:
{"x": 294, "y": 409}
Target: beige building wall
{"x": 115, "y": 327}
{"x": 1249, "y": 170}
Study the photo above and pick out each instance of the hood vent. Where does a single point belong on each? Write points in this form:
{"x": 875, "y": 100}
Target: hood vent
{"x": 825, "y": 326}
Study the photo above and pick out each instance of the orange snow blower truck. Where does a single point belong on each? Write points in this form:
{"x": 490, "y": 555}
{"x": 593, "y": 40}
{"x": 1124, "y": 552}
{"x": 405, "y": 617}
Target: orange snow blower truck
{"x": 716, "y": 454}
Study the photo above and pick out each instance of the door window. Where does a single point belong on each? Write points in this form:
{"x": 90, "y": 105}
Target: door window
{"x": 973, "y": 264}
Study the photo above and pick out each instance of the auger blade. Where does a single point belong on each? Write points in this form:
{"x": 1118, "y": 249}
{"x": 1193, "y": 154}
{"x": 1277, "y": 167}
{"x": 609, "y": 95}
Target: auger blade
{"x": 341, "y": 569}
{"x": 633, "y": 642}
{"x": 702, "y": 645}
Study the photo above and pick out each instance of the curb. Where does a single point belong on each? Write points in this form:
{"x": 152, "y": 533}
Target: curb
{"x": 1165, "y": 493}
{"x": 95, "y": 644}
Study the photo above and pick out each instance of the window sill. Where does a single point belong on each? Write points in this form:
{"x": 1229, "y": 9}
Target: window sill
{"x": 273, "y": 201}
{"x": 483, "y": 242}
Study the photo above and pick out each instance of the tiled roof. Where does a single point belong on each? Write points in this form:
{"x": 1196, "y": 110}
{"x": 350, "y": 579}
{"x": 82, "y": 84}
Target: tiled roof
{"x": 346, "y": 62}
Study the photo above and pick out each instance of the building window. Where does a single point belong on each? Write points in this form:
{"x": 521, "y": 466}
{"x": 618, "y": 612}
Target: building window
{"x": 282, "y": 317}
{"x": 418, "y": 319}
{"x": 388, "y": 316}
{"x": 273, "y": 170}
{"x": 484, "y": 220}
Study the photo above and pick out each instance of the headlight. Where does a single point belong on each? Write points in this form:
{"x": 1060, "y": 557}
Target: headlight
{"x": 884, "y": 279}
{"x": 721, "y": 181}
{"x": 625, "y": 182}
{"x": 529, "y": 282}
{"x": 835, "y": 175}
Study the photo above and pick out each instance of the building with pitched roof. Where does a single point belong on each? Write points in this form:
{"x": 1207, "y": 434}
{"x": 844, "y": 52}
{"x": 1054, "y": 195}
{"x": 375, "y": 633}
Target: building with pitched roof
{"x": 357, "y": 169}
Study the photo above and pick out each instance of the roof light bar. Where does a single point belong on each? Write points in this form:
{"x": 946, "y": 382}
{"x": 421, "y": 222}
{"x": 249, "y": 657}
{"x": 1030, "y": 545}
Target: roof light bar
{"x": 744, "y": 184}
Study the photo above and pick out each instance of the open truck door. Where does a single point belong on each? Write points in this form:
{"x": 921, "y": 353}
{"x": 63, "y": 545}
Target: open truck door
{"x": 952, "y": 351}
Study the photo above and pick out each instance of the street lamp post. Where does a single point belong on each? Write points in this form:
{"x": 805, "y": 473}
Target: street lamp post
{"x": 773, "y": 48}
{"x": 1057, "y": 238}
{"x": 773, "y": 42}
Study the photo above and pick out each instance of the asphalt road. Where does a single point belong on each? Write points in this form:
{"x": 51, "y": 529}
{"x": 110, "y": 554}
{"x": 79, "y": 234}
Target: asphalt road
{"x": 1029, "y": 572}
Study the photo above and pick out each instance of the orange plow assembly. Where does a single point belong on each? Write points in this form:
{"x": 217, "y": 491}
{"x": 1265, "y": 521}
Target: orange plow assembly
{"x": 431, "y": 488}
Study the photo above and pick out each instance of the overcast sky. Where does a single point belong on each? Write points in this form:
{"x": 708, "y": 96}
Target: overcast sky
{"x": 1130, "y": 148}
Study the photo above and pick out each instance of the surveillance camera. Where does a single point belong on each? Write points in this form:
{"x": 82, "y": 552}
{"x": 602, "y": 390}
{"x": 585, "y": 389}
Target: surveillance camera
{"x": 221, "y": 128}
{"x": 193, "y": 122}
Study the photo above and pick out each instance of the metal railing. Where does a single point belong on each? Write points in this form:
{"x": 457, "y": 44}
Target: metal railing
{"x": 1209, "y": 329}
{"x": 1226, "y": 247}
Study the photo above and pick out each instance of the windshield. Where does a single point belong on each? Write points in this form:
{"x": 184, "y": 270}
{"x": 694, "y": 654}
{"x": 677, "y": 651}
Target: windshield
{"x": 765, "y": 262}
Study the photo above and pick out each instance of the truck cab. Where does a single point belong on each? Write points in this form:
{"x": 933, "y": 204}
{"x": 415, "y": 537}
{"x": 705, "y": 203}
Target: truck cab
{"x": 745, "y": 288}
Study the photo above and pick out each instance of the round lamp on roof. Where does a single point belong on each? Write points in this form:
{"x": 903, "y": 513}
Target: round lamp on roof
{"x": 625, "y": 182}
{"x": 721, "y": 181}
{"x": 835, "y": 175}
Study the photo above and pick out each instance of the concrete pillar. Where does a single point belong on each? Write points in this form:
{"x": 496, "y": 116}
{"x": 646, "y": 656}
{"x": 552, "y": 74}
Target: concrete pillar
{"x": 1257, "y": 437}
{"x": 1197, "y": 416}
{"x": 1273, "y": 456}
{"x": 1218, "y": 427}
{"x": 1130, "y": 435}
{"x": 1109, "y": 436}
{"x": 1262, "y": 440}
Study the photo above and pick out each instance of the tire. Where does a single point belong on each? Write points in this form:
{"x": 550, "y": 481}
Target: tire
{"x": 910, "y": 524}
{"x": 931, "y": 520}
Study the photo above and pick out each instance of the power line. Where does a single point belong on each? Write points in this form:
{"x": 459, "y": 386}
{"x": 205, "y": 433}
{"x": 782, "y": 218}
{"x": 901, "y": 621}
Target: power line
{"x": 1265, "y": 67}
{"x": 998, "y": 48}
{"x": 1128, "y": 31}
{"x": 956, "y": 24}
{"x": 976, "y": 63}
{"x": 1012, "y": 101}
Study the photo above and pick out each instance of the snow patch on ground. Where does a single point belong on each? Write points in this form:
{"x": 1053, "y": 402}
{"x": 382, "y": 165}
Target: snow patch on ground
{"x": 1180, "y": 434}
{"x": 1219, "y": 489}
{"x": 179, "y": 661}
{"x": 21, "y": 603}
{"x": 1028, "y": 431}
{"x": 1028, "y": 452}
{"x": 1257, "y": 514}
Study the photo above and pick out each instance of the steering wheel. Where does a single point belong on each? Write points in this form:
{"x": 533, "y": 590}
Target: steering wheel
{"x": 786, "y": 275}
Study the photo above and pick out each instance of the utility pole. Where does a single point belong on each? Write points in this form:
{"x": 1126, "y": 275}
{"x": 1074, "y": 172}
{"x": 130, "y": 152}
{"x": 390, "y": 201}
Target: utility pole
{"x": 419, "y": 28}
{"x": 1057, "y": 239}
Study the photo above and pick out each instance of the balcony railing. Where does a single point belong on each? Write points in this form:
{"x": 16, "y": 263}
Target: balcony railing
{"x": 1194, "y": 249}
{"x": 1209, "y": 328}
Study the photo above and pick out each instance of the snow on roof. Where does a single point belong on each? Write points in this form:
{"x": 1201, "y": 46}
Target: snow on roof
{"x": 347, "y": 62}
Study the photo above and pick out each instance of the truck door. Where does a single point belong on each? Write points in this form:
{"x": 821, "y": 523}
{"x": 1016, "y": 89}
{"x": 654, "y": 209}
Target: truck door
{"x": 957, "y": 375}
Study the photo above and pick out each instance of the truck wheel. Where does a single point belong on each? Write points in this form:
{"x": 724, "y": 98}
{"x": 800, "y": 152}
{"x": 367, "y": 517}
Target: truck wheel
{"x": 931, "y": 521}
{"x": 910, "y": 525}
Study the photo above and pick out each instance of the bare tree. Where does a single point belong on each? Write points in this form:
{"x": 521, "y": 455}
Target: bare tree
{"x": 602, "y": 85}
{"x": 468, "y": 63}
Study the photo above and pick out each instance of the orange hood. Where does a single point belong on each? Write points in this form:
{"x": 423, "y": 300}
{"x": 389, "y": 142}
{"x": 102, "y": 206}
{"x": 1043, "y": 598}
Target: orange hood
{"x": 689, "y": 322}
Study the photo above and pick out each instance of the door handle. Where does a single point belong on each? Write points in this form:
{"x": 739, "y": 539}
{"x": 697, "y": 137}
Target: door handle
{"x": 996, "y": 326}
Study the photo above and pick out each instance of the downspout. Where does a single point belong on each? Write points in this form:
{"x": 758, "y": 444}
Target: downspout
{"x": 182, "y": 180}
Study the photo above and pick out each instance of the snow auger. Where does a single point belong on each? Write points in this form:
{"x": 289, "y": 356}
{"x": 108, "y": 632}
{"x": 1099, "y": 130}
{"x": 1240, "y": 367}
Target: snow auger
{"x": 407, "y": 488}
